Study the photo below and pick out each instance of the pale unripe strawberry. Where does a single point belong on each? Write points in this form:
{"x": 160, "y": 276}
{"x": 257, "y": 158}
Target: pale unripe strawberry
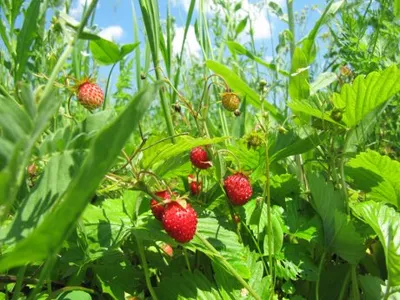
{"x": 89, "y": 94}
{"x": 230, "y": 101}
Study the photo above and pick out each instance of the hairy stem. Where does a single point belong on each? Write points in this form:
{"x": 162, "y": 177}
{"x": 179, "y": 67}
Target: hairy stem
{"x": 231, "y": 269}
{"x": 145, "y": 269}
{"x": 321, "y": 265}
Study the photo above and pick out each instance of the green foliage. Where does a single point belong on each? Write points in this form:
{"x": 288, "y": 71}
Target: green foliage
{"x": 108, "y": 53}
{"x": 376, "y": 174}
{"x": 384, "y": 220}
{"x": 367, "y": 93}
{"x": 339, "y": 234}
{"x": 317, "y": 133}
{"x": 299, "y": 86}
{"x": 46, "y": 238}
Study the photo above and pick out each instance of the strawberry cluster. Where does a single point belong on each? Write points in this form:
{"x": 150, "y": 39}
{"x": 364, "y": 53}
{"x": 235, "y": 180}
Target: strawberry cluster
{"x": 178, "y": 217}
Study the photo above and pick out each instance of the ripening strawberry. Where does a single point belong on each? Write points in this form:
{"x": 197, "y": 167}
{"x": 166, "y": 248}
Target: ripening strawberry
{"x": 89, "y": 94}
{"x": 195, "y": 187}
{"x": 157, "y": 208}
{"x": 168, "y": 250}
{"x": 180, "y": 222}
{"x": 238, "y": 188}
{"x": 199, "y": 158}
{"x": 236, "y": 218}
{"x": 230, "y": 101}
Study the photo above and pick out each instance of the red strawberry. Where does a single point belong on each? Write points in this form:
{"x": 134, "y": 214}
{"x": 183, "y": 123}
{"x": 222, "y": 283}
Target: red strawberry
{"x": 195, "y": 187}
{"x": 238, "y": 188}
{"x": 199, "y": 158}
{"x": 89, "y": 94}
{"x": 179, "y": 222}
{"x": 158, "y": 208}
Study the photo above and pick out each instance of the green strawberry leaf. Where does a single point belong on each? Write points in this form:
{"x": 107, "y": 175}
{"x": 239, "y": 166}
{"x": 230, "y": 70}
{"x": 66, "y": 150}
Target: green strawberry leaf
{"x": 106, "y": 226}
{"x": 74, "y": 295}
{"x": 105, "y": 52}
{"x": 308, "y": 108}
{"x": 155, "y": 156}
{"x": 224, "y": 239}
{"x": 340, "y": 235}
{"x": 187, "y": 286}
{"x": 377, "y": 175}
{"x": 367, "y": 93}
{"x": 385, "y": 221}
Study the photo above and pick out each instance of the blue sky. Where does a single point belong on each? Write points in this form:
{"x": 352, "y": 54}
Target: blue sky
{"x": 115, "y": 18}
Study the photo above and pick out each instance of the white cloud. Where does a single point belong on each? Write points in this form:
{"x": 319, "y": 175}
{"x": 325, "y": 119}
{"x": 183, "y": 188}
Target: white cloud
{"x": 112, "y": 33}
{"x": 191, "y": 44}
{"x": 257, "y": 14}
{"x": 184, "y": 3}
{"x": 268, "y": 58}
{"x": 77, "y": 10}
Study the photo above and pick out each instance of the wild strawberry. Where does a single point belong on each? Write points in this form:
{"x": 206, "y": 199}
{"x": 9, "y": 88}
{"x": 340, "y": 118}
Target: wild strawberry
{"x": 158, "y": 208}
{"x": 254, "y": 140}
{"x": 89, "y": 94}
{"x": 180, "y": 222}
{"x": 238, "y": 188}
{"x": 236, "y": 218}
{"x": 32, "y": 170}
{"x": 199, "y": 158}
{"x": 337, "y": 114}
{"x": 230, "y": 101}
{"x": 195, "y": 187}
{"x": 168, "y": 250}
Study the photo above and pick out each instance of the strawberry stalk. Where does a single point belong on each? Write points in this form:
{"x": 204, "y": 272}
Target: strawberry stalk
{"x": 228, "y": 266}
{"x": 145, "y": 269}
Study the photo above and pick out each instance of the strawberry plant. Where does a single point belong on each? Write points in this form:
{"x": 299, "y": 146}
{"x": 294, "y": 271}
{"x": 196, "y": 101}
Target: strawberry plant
{"x": 143, "y": 170}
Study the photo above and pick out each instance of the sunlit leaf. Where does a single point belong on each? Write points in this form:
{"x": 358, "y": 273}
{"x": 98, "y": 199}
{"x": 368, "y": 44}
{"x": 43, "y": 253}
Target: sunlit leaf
{"x": 385, "y": 221}
{"x": 238, "y": 85}
{"x": 367, "y": 93}
{"x": 377, "y": 175}
{"x": 299, "y": 86}
{"x": 47, "y": 238}
{"x": 105, "y": 52}
{"x": 238, "y": 48}
{"x": 340, "y": 235}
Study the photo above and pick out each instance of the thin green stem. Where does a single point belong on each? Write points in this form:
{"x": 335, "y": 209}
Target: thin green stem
{"x": 47, "y": 267}
{"x": 223, "y": 261}
{"x": 355, "y": 293}
{"x": 257, "y": 247}
{"x": 344, "y": 286}
{"x": 387, "y": 292}
{"x": 187, "y": 259}
{"x": 321, "y": 265}
{"x": 289, "y": 4}
{"x": 107, "y": 86}
{"x": 342, "y": 174}
{"x": 18, "y": 284}
{"x": 145, "y": 269}
{"x": 269, "y": 214}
